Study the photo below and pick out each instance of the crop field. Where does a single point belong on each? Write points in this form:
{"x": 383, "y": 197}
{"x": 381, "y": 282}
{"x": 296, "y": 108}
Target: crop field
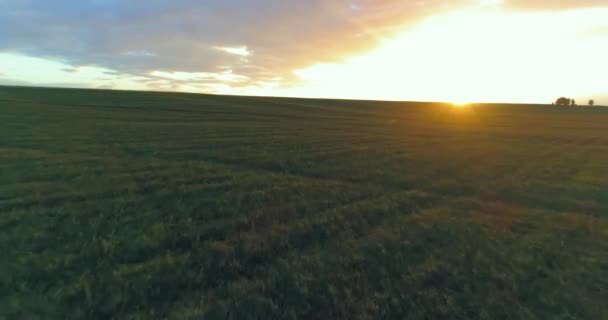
{"x": 135, "y": 205}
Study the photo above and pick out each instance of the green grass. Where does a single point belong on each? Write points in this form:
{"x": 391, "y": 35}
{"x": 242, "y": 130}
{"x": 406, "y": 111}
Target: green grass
{"x": 133, "y": 205}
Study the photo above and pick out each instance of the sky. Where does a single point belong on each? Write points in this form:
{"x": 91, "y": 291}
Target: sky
{"x": 519, "y": 51}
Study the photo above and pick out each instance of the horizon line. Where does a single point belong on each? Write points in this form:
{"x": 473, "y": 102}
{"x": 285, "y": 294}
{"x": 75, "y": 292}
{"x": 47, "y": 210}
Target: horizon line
{"x": 59, "y": 87}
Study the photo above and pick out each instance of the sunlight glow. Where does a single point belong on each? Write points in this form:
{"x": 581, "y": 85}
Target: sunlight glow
{"x": 480, "y": 54}
{"x": 460, "y": 104}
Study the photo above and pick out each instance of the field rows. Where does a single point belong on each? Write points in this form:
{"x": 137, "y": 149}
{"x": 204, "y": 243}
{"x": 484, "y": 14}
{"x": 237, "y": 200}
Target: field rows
{"x": 157, "y": 205}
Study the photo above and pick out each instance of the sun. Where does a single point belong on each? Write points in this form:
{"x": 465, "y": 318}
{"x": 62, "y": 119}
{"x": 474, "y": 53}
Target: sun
{"x": 460, "y": 104}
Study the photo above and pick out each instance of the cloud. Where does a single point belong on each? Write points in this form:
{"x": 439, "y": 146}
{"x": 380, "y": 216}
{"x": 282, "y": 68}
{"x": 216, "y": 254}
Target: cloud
{"x": 554, "y": 4}
{"x": 477, "y": 54}
{"x": 491, "y": 2}
{"x": 39, "y": 71}
{"x": 133, "y": 36}
{"x": 163, "y": 41}
{"x": 141, "y": 54}
{"x": 226, "y": 76}
{"x": 239, "y": 51}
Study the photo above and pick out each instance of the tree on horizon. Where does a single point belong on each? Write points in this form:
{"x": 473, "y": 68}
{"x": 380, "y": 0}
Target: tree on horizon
{"x": 563, "y": 101}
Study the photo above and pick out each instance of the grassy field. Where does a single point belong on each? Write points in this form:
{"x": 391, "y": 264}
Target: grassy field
{"x": 134, "y": 205}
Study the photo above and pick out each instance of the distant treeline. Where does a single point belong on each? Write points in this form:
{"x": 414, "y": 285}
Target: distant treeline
{"x": 563, "y": 101}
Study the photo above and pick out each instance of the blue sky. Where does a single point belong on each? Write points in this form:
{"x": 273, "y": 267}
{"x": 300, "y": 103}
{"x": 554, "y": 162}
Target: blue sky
{"x": 262, "y": 46}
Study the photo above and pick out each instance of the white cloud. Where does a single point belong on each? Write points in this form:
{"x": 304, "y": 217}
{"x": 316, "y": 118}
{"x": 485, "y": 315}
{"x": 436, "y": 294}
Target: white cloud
{"x": 226, "y": 76}
{"x": 40, "y": 71}
{"x": 491, "y": 2}
{"x": 238, "y": 51}
{"x": 142, "y": 53}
